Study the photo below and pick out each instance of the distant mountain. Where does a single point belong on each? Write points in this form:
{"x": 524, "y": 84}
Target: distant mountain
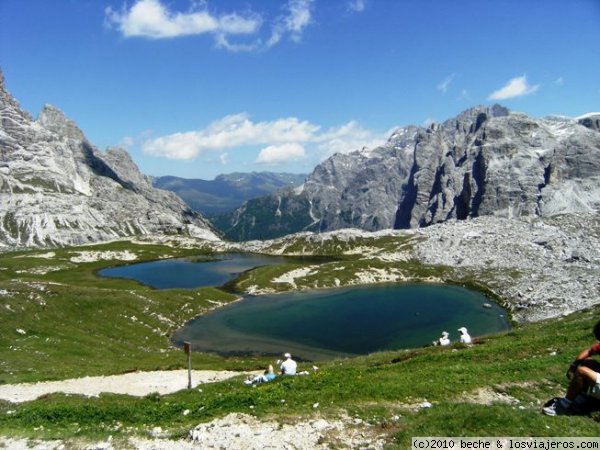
{"x": 226, "y": 192}
{"x": 485, "y": 161}
{"x": 57, "y": 189}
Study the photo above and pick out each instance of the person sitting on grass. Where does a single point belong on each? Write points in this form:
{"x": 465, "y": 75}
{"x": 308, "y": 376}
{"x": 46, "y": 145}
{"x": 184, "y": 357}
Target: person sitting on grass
{"x": 465, "y": 338}
{"x": 584, "y": 374}
{"x": 444, "y": 340}
{"x": 288, "y": 366}
{"x": 269, "y": 375}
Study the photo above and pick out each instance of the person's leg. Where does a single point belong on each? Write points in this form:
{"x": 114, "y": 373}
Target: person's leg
{"x": 584, "y": 377}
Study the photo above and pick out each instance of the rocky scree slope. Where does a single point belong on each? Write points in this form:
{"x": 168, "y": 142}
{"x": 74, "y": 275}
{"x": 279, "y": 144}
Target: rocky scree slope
{"x": 485, "y": 161}
{"x": 57, "y": 189}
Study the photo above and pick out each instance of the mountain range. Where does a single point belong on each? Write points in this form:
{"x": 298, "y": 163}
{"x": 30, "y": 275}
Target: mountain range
{"x": 57, "y": 189}
{"x": 226, "y": 192}
{"x": 485, "y": 161}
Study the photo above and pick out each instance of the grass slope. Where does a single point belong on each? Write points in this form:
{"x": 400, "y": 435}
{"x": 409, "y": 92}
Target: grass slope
{"x": 78, "y": 324}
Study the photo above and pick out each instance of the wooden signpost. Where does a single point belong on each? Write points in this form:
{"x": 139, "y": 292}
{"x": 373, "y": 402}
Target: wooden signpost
{"x": 187, "y": 348}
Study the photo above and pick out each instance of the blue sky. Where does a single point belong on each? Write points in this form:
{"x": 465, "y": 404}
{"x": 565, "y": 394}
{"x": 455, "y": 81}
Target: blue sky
{"x": 195, "y": 88}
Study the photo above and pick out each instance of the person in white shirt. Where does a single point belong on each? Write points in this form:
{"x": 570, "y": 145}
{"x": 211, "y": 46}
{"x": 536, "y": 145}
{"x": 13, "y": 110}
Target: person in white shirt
{"x": 464, "y": 336}
{"x": 444, "y": 340}
{"x": 288, "y": 366}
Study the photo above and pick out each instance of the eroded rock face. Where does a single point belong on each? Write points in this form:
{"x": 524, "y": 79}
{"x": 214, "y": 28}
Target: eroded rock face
{"x": 58, "y": 189}
{"x": 485, "y": 161}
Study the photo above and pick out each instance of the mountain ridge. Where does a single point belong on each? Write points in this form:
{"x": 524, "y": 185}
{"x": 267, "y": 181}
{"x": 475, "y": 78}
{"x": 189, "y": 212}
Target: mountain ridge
{"x": 57, "y": 189}
{"x": 485, "y": 161}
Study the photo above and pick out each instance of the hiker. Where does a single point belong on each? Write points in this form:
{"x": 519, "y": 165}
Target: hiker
{"x": 444, "y": 340}
{"x": 584, "y": 374}
{"x": 288, "y": 366}
{"x": 465, "y": 338}
{"x": 269, "y": 375}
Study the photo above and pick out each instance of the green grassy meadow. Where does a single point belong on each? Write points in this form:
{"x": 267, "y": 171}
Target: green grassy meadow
{"x": 59, "y": 320}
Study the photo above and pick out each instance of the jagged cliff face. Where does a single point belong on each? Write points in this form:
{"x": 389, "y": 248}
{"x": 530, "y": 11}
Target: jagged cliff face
{"x": 57, "y": 189}
{"x": 486, "y": 161}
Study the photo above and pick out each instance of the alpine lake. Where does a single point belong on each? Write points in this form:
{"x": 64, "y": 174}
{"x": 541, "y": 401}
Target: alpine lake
{"x": 316, "y": 324}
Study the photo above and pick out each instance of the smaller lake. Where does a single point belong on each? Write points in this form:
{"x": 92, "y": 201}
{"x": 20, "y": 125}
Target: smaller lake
{"x": 323, "y": 324}
{"x": 188, "y": 273}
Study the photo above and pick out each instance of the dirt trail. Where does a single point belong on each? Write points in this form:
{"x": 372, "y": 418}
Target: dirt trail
{"x": 135, "y": 383}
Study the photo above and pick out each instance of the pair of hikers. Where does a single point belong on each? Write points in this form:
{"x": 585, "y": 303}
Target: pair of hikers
{"x": 584, "y": 386}
{"x": 444, "y": 340}
{"x": 287, "y": 367}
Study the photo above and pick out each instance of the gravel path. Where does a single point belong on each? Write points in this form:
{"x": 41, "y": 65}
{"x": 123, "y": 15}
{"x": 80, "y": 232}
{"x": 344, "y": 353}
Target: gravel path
{"x": 135, "y": 383}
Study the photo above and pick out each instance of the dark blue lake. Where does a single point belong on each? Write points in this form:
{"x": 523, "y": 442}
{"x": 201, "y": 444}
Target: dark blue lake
{"x": 324, "y": 324}
{"x": 213, "y": 270}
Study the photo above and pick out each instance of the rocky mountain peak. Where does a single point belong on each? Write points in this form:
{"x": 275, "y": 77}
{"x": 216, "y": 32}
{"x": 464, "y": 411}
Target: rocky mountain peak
{"x": 495, "y": 110}
{"x": 473, "y": 118}
{"x": 53, "y": 119}
{"x": 9, "y": 104}
{"x": 126, "y": 169}
{"x": 57, "y": 189}
{"x": 591, "y": 121}
{"x": 486, "y": 161}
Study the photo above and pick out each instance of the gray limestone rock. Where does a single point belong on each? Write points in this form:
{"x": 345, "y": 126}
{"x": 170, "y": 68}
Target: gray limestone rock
{"x": 486, "y": 161}
{"x": 58, "y": 189}
{"x": 591, "y": 121}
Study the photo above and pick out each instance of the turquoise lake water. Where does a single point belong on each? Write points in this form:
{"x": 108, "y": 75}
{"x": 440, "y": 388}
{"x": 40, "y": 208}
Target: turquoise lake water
{"x": 319, "y": 324}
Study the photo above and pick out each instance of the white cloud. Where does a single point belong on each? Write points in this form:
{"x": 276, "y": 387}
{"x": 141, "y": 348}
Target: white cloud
{"x": 516, "y": 87}
{"x": 223, "y": 41}
{"x": 230, "y": 132}
{"x": 129, "y": 142}
{"x": 357, "y": 5}
{"x": 224, "y": 158}
{"x": 560, "y": 81}
{"x": 278, "y": 154}
{"x": 126, "y": 142}
{"x": 444, "y": 85}
{"x": 282, "y": 140}
{"x": 153, "y": 19}
{"x": 297, "y": 17}
{"x": 348, "y": 138}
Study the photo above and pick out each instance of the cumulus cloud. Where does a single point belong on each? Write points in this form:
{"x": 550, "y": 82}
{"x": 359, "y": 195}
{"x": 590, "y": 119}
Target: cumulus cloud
{"x": 230, "y": 132}
{"x": 153, "y": 19}
{"x": 278, "y": 154}
{"x": 516, "y": 87}
{"x": 283, "y": 140}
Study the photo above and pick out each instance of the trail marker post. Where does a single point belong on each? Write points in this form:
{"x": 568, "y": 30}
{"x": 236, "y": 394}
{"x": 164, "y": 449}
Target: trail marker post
{"x": 187, "y": 348}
